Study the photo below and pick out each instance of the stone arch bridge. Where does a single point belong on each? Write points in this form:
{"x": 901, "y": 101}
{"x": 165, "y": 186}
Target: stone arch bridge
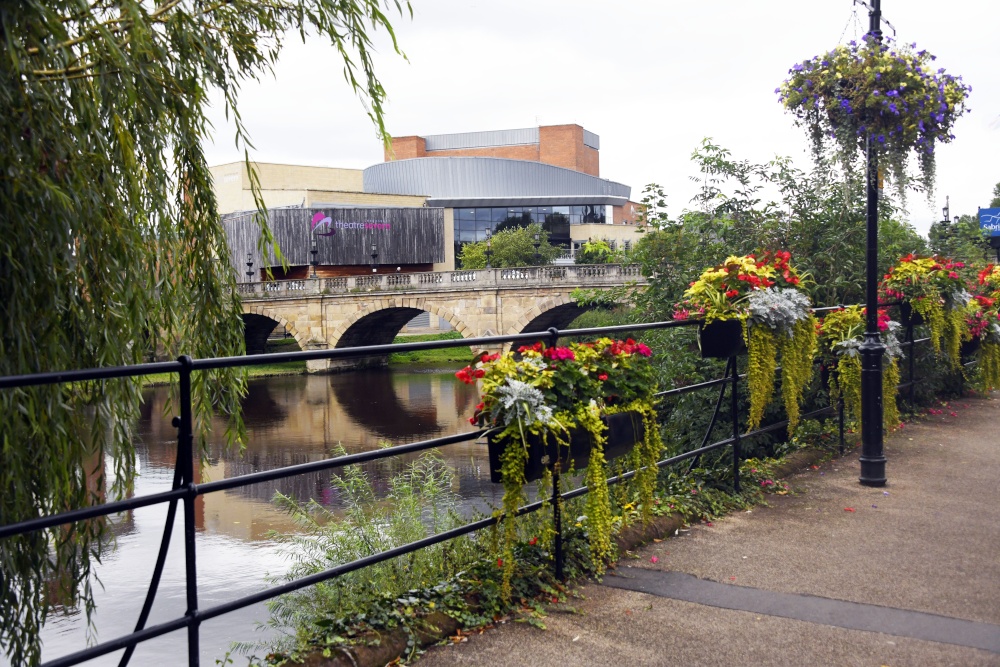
{"x": 324, "y": 313}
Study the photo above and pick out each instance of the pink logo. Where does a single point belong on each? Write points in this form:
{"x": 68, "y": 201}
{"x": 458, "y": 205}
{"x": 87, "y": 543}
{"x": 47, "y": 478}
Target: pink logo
{"x": 322, "y": 225}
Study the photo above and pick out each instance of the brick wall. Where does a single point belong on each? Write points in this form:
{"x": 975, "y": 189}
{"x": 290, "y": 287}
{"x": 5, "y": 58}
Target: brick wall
{"x": 627, "y": 214}
{"x": 559, "y": 145}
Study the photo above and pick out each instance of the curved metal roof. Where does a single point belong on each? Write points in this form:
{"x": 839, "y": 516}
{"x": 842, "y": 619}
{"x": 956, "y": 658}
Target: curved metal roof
{"x": 458, "y": 178}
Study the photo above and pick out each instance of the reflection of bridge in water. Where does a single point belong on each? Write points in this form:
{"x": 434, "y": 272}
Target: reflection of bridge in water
{"x": 371, "y": 310}
{"x": 299, "y": 419}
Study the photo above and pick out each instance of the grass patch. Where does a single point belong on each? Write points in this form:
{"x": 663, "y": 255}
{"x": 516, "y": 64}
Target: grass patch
{"x": 447, "y": 355}
{"x": 265, "y": 370}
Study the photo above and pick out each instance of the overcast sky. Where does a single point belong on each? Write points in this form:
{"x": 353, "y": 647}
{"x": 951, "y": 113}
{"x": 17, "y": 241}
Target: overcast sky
{"x": 650, "y": 78}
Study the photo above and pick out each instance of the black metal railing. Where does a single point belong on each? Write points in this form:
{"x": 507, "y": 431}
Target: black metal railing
{"x": 186, "y": 490}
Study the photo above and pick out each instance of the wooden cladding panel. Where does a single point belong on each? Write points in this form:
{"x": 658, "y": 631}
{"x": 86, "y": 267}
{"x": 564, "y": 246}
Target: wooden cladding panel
{"x": 402, "y": 236}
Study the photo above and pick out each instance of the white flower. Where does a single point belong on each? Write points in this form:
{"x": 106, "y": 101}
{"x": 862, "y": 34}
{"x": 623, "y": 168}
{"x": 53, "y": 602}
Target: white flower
{"x": 520, "y": 401}
{"x": 778, "y": 308}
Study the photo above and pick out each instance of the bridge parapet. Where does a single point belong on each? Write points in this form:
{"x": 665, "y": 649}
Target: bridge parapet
{"x": 584, "y": 275}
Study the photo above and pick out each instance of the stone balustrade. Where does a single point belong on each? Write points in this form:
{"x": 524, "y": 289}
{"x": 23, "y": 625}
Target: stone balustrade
{"x": 595, "y": 275}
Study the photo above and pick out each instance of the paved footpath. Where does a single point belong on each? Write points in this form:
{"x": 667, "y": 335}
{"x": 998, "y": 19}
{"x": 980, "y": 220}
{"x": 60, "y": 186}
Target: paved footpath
{"x": 910, "y": 577}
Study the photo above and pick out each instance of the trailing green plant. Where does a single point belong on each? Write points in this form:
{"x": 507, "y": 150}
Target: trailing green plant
{"x": 546, "y": 392}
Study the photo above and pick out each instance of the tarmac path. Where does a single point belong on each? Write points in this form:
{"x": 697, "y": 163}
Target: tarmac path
{"x": 833, "y": 574}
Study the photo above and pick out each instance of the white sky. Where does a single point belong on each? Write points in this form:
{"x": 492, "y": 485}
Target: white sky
{"x": 651, "y": 78}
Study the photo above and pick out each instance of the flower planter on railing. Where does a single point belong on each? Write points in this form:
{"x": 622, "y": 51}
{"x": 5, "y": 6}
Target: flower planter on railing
{"x": 721, "y": 339}
{"x": 908, "y": 316}
{"x": 624, "y": 430}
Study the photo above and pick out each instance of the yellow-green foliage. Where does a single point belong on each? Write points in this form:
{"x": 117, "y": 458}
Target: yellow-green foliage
{"x": 989, "y": 366}
{"x": 512, "y": 461}
{"x": 797, "y": 366}
{"x": 955, "y": 330}
{"x": 762, "y": 353}
{"x": 648, "y": 453}
{"x": 848, "y": 385}
{"x": 598, "y": 505}
{"x": 890, "y": 379}
{"x": 933, "y": 312}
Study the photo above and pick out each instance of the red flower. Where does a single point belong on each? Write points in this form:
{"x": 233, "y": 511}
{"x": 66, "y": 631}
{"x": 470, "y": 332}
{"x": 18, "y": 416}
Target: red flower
{"x": 731, "y": 293}
{"x": 602, "y": 377}
{"x": 499, "y": 562}
{"x": 533, "y": 541}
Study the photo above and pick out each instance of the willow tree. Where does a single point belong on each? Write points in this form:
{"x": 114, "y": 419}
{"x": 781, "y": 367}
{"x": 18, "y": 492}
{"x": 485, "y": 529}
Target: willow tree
{"x": 108, "y": 234}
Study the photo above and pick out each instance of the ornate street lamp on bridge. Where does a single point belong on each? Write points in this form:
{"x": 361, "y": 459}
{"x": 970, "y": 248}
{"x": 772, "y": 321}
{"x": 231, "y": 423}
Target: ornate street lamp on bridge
{"x": 374, "y": 258}
{"x": 249, "y": 267}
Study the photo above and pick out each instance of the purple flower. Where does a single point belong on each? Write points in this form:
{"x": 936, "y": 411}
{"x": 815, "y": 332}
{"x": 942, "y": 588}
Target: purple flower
{"x": 892, "y": 108}
{"x": 881, "y": 138}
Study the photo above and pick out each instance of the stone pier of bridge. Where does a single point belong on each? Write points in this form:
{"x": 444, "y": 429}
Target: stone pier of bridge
{"x": 325, "y": 313}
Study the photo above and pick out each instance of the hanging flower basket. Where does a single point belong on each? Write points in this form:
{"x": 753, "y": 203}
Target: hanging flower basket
{"x": 582, "y": 405}
{"x": 721, "y": 339}
{"x": 841, "y": 333}
{"x": 623, "y": 431}
{"x": 757, "y": 299}
{"x": 932, "y": 289}
{"x": 889, "y": 91}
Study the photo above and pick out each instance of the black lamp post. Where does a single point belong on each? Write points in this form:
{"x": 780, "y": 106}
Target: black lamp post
{"x": 536, "y": 244}
{"x": 249, "y": 267}
{"x": 872, "y": 350}
{"x": 489, "y": 248}
{"x": 313, "y": 251}
{"x": 374, "y": 258}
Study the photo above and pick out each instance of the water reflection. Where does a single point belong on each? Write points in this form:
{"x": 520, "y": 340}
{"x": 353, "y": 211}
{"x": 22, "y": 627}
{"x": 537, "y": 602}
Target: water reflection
{"x": 290, "y": 420}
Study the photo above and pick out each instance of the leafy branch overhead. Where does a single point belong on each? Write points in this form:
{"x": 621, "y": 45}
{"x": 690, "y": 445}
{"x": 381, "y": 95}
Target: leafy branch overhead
{"x": 109, "y": 231}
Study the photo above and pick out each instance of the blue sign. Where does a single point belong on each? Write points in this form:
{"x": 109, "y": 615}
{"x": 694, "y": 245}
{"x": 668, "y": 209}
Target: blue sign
{"x": 989, "y": 219}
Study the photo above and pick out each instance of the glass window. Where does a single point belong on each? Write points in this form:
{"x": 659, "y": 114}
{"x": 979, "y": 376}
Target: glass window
{"x": 467, "y": 236}
{"x": 484, "y": 214}
{"x": 544, "y": 211}
{"x": 499, "y": 214}
{"x": 561, "y": 209}
{"x": 465, "y": 214}
{"x": 484, "y": 225}
{"x": 466, "y": 225}
{"x": 576, "y": 210}
{"x": 575, "y": 218}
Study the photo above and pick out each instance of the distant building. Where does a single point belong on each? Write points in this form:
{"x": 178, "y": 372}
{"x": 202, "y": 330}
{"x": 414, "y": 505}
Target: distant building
{"x": 472, "y": 183}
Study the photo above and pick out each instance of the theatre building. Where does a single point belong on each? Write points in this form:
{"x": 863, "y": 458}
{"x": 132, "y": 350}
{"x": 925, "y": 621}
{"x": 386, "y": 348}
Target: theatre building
{"x": 432, "y": 194}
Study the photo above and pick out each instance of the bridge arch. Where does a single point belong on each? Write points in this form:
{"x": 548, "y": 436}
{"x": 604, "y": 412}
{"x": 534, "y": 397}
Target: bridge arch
{"x": 379, "y": 323}
{"x": 259, "y": 322}
{"x": 556, "y": 312}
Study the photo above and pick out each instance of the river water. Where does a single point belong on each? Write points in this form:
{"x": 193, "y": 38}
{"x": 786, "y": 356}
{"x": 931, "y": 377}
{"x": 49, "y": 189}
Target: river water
{"x": 290, "y": 420}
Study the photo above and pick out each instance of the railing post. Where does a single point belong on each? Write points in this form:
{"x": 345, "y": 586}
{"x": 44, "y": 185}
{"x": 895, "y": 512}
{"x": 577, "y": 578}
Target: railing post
{"x": 556, "y": 492}
{"x": 185, "y": 457}
{"x": 735, "y": 416}
{"x": 911, "y": 364}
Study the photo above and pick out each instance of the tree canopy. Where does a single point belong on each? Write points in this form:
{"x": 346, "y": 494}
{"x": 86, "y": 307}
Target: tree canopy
{"x": 108, "y": 234}
{"x": 743, "y": 207}
{"x": 512, "y": 246}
